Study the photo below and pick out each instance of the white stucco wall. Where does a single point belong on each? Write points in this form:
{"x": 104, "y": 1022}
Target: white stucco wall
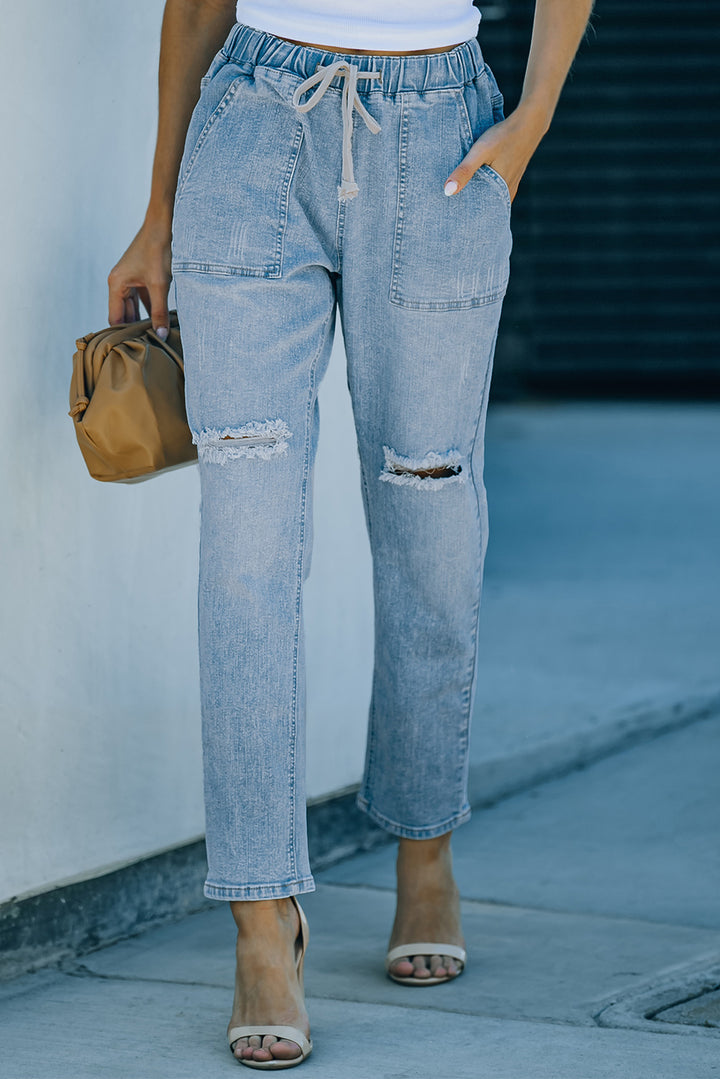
{"x": 100, "y": 746}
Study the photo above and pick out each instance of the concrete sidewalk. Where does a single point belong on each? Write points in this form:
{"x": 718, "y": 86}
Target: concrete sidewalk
{"x": 590, "y": 902}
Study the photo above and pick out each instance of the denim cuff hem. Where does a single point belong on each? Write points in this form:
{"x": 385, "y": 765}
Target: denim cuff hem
{"x": 430, "y": 832}
{"x": 258, "y": 891}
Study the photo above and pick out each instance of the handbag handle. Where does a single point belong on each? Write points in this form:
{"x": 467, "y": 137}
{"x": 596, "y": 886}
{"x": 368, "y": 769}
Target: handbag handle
{"x": 78, "y": 380}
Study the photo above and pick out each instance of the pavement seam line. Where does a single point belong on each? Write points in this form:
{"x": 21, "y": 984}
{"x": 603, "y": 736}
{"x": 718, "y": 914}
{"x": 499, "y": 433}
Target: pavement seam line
{"x": 557, "y": 911}
{"x": 335, "y": 999}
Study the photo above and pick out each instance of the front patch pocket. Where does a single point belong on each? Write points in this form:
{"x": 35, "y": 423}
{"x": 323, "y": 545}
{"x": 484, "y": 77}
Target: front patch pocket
{"x": 452, "y": 251}
{"x": 231, "y": 205}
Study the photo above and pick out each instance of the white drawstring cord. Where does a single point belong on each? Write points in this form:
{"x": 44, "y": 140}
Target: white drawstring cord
{"x": 350, "y": 100}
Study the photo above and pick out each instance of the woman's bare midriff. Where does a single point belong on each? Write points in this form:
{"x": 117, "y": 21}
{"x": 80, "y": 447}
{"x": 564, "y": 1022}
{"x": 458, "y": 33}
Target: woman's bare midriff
{"x": 371, "y": 52}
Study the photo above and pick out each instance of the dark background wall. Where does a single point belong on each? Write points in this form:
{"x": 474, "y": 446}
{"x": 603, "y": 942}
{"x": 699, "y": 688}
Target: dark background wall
{"x": 614, "y": 284}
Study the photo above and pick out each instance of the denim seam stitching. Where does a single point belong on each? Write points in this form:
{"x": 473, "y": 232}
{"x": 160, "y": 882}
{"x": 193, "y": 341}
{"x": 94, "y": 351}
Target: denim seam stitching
{"x": 340, "y": 233}
{"x": 299, "y": 586}
{"x": 400, "y": 203}
{"x": 285, "y": 197}
{"x": 370, "y": 743}
{"x": 446, "y": 825}
{"x": 222, "y": 269}
{"x": 499, "y": 180}
{"x": 259, "y": 891}
{"x": 450, "y": 305}
{"x": 370, "y": 750}
{"x": 465, "y": 117}
{"x": 474, "y": 637}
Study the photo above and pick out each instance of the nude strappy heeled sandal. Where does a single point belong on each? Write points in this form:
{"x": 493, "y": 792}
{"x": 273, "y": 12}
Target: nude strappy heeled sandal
{"x": 292, "y": 1034}
{"x": 423, "y": 948}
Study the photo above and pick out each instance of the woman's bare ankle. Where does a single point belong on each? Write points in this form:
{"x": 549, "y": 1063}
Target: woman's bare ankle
{"x": 425, "y": 852}
{"x": 264, "y": 915}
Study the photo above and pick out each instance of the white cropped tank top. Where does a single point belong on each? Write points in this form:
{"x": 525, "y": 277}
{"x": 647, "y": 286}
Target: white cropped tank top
{"x": 386, "y": 25}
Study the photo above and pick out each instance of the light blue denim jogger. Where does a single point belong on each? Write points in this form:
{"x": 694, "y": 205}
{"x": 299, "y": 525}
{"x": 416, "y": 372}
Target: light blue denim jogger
{"x": 296, "y": 201}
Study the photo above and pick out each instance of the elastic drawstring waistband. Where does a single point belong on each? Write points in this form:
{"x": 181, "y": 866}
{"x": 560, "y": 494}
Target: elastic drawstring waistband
{"x": 350, "y": 100}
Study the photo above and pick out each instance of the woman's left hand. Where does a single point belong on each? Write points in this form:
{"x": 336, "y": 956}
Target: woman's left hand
{"x": 506, "y": 146}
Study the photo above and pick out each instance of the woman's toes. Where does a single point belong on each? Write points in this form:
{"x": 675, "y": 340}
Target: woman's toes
{"x": 420, "y": 967}
{"x": 450, "y": 966}
{"x": 260, "y": 1048}
{"x": 285, "y": 1050}
{"x": 438, "y": 967}
{"x": 443, "y": 966}
{"x": 273, "y": 1048}
{"x": 252, "y": 1049}
{"x": 241, "y": 1048}
{"x": 403, "y": 968}
{"x": 261, "y": 1051}
{"x": 264, "y": 1049}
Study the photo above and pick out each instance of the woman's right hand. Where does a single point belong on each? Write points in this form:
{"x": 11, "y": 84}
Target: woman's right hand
{"x": 143, "y": 273}
{"x": 192, "y": 33}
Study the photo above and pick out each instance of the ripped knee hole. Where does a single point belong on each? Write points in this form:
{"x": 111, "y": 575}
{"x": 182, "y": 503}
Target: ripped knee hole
{"x": 423, "y": 473}
{"x": 431, "y": 471}
{"x": 257, "y": 438}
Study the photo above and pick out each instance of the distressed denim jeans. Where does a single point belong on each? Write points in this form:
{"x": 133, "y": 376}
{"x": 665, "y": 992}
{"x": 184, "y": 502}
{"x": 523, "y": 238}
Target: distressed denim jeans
{"x": 312, "y": 184}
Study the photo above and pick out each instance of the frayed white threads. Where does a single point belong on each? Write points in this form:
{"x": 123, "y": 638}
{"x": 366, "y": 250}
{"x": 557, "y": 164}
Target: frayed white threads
{"x": 347, "y": 190}
{"x": 403, "y": 470}
{"x": 258, "y": 438}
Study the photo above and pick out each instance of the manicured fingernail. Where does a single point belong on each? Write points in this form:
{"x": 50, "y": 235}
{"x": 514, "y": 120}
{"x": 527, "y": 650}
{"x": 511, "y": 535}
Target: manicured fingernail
{"x": 450, "y": 187}
{"x": 162, "y": 332}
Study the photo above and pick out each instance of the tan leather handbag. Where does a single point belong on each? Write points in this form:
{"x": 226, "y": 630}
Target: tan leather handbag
{"x": 127, "y": 402}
